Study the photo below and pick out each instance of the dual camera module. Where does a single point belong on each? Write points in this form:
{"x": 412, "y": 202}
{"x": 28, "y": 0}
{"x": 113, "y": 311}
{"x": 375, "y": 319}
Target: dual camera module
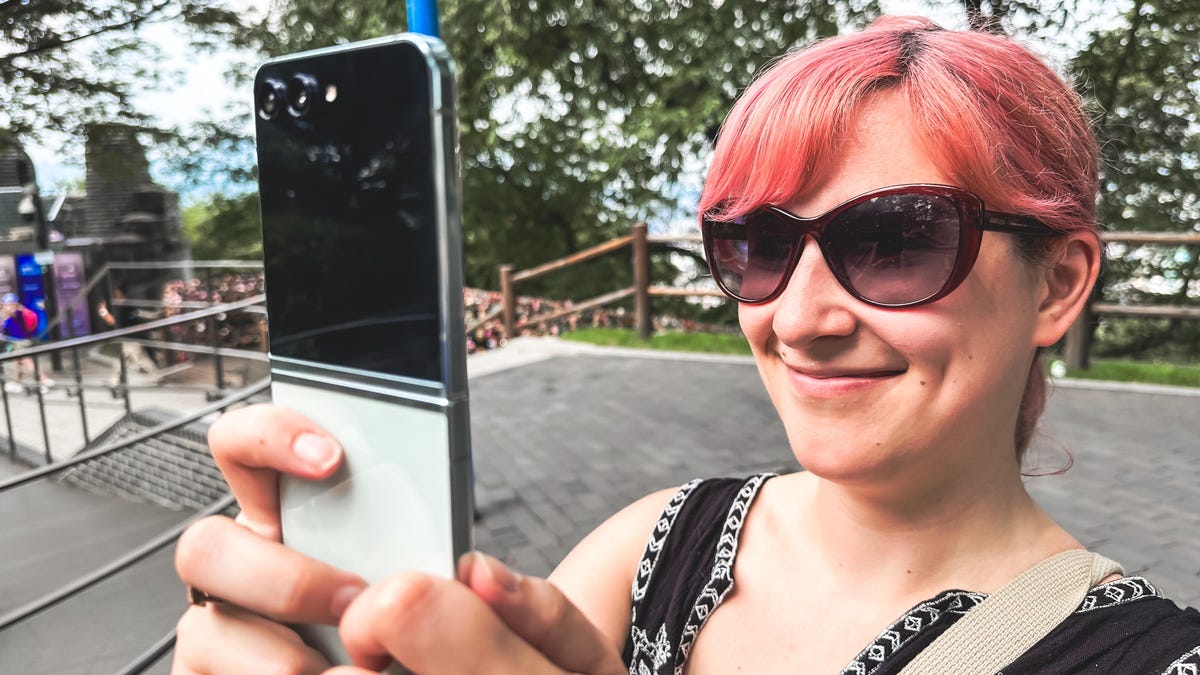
{"x": 297, "y": 96}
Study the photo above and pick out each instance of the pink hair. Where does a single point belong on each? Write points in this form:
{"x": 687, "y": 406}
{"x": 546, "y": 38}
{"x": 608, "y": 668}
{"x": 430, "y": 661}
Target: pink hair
{"x": 994, "y": 117}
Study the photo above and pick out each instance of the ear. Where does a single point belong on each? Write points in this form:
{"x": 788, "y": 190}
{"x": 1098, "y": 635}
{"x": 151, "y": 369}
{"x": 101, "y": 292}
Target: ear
{"x": 1067, "y": 286}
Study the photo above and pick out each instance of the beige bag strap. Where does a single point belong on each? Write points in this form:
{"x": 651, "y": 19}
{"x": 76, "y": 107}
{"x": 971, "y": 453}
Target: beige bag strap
{"x": 1010, "y": 621}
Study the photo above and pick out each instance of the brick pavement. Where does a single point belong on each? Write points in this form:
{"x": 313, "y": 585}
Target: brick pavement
{"x": 572, "y": 434}
{"x": 561, "y": 444}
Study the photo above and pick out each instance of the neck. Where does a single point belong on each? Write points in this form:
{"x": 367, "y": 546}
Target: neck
{"x": 972, "y": 532}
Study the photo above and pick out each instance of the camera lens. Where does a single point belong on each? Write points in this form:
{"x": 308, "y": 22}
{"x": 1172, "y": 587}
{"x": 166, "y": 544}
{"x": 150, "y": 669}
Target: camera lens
{"x": 271, "y": 93}
{"x": 301, "y": 90}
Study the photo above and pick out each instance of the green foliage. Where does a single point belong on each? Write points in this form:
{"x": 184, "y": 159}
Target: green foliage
{"x": 578, "y": 119}
{"x": 1144, "y": 77}
{"x": 1142, "y": 372}
{"x": 224, "y": 228}
{"x": 70, "y": 63}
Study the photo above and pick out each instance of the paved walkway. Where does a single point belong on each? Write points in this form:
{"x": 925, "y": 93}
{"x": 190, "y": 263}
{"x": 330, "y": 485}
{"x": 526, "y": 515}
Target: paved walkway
{"x": 565, "y": 434}
{"x": 562, "y": 442}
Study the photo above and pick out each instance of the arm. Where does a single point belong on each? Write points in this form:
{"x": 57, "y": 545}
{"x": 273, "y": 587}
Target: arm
{"x": 597, "y": 575}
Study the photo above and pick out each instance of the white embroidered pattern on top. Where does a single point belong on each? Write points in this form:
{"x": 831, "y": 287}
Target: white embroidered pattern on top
{"x": 1188, "y": 664}
{"x": 658, "y": 536}
{"x": 721, "y": 581}
{"x": 910, "y": 625}
{"x": 1118, "y": 592}
{"x": 656, "y": 650}
{"x": 926, "y": 614}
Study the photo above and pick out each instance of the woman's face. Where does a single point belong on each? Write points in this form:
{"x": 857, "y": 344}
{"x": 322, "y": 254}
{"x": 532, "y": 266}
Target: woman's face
{"x": 869, "y": 394}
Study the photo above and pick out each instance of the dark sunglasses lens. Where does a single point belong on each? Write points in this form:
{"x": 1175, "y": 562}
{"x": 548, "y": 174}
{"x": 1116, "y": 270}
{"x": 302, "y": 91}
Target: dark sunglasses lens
{"x": 897, "y": 249}
{"x": 749, "y": 255}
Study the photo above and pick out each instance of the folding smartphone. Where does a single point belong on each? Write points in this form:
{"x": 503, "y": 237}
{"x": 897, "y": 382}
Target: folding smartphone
{"x": 358, "y": 176}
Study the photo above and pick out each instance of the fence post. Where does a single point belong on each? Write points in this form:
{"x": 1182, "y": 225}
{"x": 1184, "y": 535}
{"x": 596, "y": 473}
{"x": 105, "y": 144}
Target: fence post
{"x": 508, "y": 301}
{"x": 1078, "y": 339}
{"x": 641, "y": 281}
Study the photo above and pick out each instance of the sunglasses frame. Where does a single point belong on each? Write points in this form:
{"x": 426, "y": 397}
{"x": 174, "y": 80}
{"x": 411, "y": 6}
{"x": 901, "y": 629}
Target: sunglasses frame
{"x": 974, "y": 219}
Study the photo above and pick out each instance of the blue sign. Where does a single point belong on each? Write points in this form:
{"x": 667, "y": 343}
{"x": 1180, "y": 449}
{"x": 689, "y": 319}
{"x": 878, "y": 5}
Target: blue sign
{"x": 31, "y": 286}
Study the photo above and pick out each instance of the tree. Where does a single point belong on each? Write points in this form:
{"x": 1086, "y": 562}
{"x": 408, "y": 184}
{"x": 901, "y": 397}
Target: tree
{"x": 1144, "y": 76}
{"x": 67, "y": 63}
{"x": 224, "y": 228}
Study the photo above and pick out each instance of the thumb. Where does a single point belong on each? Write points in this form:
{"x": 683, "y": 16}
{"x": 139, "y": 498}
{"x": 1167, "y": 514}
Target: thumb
{"x": 539, "y": 613}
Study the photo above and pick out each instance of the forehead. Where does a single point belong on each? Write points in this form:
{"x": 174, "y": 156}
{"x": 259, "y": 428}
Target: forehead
{"x": 881, "y": 148}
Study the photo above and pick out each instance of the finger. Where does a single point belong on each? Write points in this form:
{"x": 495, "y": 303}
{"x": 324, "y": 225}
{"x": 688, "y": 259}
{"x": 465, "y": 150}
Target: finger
{"x": 265, "y": 577}
{"x": 541, "y": 615}
{"x": 226, "y": 640}
{"x": 252, "y": 445}
{"x": 433, "y": 626}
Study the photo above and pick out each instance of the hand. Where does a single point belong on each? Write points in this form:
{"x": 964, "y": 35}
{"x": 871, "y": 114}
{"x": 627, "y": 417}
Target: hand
{"x": 494, "y": 621}
{"x": 261, "y": 583}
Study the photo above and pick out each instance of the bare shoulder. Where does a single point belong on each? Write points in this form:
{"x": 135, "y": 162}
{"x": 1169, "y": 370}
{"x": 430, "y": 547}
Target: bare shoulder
{"x": 597, "y": 575}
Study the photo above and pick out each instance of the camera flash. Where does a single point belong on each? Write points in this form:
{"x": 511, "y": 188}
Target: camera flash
{"x": 331, "y": 93}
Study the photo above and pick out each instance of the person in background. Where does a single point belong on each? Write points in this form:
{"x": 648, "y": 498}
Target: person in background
{"x": 133, "y": 354}
{"x": 20, "y": 326}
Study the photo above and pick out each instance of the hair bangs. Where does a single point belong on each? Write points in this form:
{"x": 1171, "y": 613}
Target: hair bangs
{"x": 782, "y": 136}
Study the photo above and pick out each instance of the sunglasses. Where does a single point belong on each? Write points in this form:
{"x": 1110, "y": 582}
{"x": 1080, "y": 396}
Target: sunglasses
{"x": 900, "y": 246}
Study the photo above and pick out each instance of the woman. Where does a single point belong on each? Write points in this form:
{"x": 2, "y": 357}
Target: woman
{"x": 948, "y": 181}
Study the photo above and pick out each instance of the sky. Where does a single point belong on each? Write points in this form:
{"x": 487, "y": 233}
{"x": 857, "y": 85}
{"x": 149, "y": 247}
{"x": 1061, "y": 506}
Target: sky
{"x": 200, "y": 86}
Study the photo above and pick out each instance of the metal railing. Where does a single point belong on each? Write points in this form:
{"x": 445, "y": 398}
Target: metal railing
{"x": 167, "y": 538}
{"x": 129, "y": 334}
{"x": 77, "y": 386}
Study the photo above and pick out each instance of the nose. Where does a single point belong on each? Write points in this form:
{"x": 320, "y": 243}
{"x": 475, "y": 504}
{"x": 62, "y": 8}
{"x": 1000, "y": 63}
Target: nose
{"x": 814, "y": 304}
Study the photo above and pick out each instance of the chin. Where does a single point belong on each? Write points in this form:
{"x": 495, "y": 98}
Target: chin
{"x": 848, "y": 459}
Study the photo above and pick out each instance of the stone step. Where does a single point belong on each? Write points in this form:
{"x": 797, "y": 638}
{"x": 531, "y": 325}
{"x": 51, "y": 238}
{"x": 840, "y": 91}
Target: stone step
{"x": 173, "y": 469}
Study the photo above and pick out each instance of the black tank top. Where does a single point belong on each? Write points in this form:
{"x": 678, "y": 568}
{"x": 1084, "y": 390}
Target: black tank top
{"x": 1125, "y": 626}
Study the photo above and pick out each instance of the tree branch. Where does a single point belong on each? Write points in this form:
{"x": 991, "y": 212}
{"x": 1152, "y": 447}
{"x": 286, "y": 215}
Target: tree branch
{"x": 131, "y": 23}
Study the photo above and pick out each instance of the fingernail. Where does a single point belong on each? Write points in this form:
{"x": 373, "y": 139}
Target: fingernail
{"x": 315, "y": 450}
{"x": 342, "y": 598}
{"x": 506, "y": 578}
{"x": 465, "y": 564}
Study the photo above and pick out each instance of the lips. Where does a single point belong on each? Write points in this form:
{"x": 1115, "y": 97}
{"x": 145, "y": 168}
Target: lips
{"x": 833, "y": 382}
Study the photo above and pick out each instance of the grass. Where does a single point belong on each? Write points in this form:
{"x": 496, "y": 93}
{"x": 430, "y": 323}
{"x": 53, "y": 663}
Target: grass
{"x": 1136, "y": 371}
{"x": 675, "y": 341}
{"x": 1101, "y": 369}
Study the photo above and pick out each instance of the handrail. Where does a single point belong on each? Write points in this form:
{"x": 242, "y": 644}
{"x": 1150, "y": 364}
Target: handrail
{"x": 1150, "y": 237}
{"x": 170, "y": 425}
{"x": 586, "y": 254}
{"x": 598, "y": 301}
{"x": 106, "y": 271}
{"x": 86, "y": 340}
{"x": 86, "y": 581}
{"x": 151, "y": 656}
{"x": 491, "y": 315}
{"x": 195, "y": 264}
{"x": 638, "y": 240}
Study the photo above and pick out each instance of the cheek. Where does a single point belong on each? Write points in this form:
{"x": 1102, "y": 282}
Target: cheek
{"x": 755, "y": 321}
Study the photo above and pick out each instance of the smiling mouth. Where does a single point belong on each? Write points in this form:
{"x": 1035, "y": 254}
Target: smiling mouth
{"x": 834, "y": 383}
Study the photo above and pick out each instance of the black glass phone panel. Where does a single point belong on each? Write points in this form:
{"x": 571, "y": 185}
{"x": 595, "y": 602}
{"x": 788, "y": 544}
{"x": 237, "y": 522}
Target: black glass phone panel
{"x": 350, "y": 226}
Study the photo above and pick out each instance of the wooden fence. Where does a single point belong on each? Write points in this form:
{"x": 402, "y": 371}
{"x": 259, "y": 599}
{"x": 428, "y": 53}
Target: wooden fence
{"x": 1077, "y": 343}
{"x": 641, "y": 291}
